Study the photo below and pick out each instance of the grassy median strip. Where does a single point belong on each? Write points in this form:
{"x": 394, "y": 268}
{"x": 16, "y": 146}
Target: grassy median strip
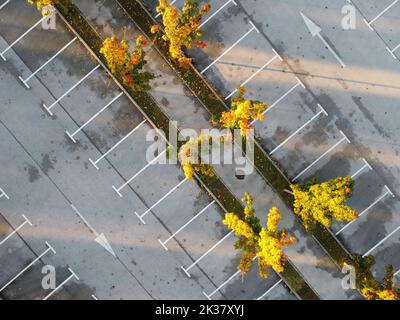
{"x": 148, "y": 106}
{"x": 199, "y": 86}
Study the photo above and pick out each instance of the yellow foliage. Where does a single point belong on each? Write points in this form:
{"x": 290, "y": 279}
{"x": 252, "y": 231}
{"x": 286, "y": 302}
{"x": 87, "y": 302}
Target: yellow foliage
{"x": 190, "y": 160}
{"x": 324, "y": 202}
{"x": 116, "y": 54}
{"x": 274, "y": 217}
{"x": 265, "y": 244}
{"x": 126, "y": 64}
{"x": 242, "y": 113}
{"x": 242, "y": 229}
{"x": 249, "y": 208}
{"x": 182, "y": 28}
{"x": 246, "y": 262}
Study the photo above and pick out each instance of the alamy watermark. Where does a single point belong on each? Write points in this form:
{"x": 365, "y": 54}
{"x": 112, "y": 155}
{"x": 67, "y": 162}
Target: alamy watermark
{"x": 217, "y": 147}
{"x": 50, "y": 18}
{"x": 349, "y": 21}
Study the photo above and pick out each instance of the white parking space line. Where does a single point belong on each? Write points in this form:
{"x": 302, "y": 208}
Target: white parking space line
{"x": 68, "y": 91}
{"x": 118, "y": 190}
{"x": 163, "y": 243}
{"x": 3, "y": 194}
{"x": 71, "y": 136}
{"x": 94, "y": 163}
{"x": 380, "y": 15}
{"x": 159, "y": 14}
{"x": 94, "y": 297}
{"x": 49, "y": 248}
{"x": 299, "y": 83}
{"x": 323, "y": 155}
{"x": 25, "y": 81}
{"x": 322, "y": 110}
{"x": 186, "y": 270}
{"x": 158, "y": 202}
{"x": 4, "y": 4}
{"x": 388, "y": 191}
{"x": 366, "y": 165}
{"x": 255, "y": 73}
{"x": 21, "y": 36}
{"x": 269, "y": 290}
{"x": 216, "y": 12}
{"x": 73, "y": 275}
{"x": 230, "y": 48}
{"x": 397, "y": 272}
{"x": 208, "y": 296}
{"x": 393, "y": 50}
{"x": 382, "y": 241}
{"x": 17, "y": 229}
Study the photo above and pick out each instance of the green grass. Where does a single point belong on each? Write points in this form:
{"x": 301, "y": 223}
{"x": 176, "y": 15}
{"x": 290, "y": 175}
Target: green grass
{"x": 273, "y": 174}
{"x": 154, "y": 113}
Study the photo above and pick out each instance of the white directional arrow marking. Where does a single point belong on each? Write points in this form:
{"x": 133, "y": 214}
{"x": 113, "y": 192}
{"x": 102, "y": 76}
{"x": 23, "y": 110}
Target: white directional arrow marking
{"x": 100, "y": 238}
{"x": 315, "y": 30}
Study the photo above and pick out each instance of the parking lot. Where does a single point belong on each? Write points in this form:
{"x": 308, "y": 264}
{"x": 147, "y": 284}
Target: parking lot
{"x": 323, "y": 120}
{"x": 75, "y": 163}
{"x": 189, "y": 112}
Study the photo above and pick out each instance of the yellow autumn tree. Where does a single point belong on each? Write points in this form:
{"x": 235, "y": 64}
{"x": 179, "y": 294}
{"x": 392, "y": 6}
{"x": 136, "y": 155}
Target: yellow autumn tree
{"x": 369, "y": 286}
{"x": 126, "y": 64}
{"x": 182, "y": 27}
{"x": 322, "y": 202}
{"x": 189, "y": 156}
{"x": 242, "y": 113}
{"x": 264, "y": 244}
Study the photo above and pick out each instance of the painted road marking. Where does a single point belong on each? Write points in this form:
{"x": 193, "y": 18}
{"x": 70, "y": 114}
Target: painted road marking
{"x": 4, "y": 4}
{"x": 94, "y": 297}
{"x": 393, "y": 50}
{"x": 315, "y": 30}
{"x": 382, "y": 241}
{"x": 163, "y": 243}
{"x": 25, "y": 81}
{"x": 299, "y": 83}
{"x": 100, "y": 238}
{"x": 369, "y": 24}
{"x": 71, "y": 136}
{"x": 22, "y": 36}
{"x": 159, "y": 14}
{"x": 68, "y": 91}
{"x": 323, "y": 155}
{"x": 397, "y": 272}
{"x": 388, "y": 191}
{"x": 230, "y": 48}
{"x": 322, "y": 110}
{"x": 208, "y": 296}
{"x": 186, "y": 270}
{"x": 49, "y": 248}
{"x": 3, "y": 194}
{"x": 269, "y": 290}
{"x": 73, "y": 275}
{"x": 158, "y": 202}
{"x": 94, "y": 163}
{"x": 17, "y": 229}
{"x": 216, "y": 12}
{"x": 255, "y": 73}
{"x": 118, "y": 190}
{"x": 366, "y": 165}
